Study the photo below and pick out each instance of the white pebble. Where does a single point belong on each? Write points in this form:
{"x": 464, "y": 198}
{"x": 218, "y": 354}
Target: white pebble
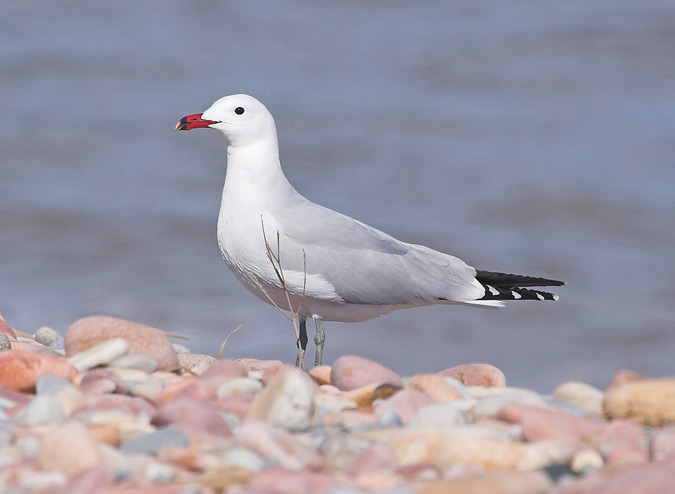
{"x": 238, "y": 385}
{"x": 100, "y": 354}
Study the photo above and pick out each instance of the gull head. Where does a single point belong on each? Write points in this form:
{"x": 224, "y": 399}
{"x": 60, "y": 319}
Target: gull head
{"x": 241, "y": 119}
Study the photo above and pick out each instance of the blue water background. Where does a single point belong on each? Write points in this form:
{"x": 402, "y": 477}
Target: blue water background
{"x": 529, "y": 137}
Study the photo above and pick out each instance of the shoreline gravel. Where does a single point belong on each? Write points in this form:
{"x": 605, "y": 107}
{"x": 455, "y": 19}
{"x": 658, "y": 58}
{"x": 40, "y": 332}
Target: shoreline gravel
{"x": 114, "y": 407}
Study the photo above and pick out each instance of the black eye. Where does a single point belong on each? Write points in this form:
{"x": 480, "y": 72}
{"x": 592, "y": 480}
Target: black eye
{"x": 239, "y": 110}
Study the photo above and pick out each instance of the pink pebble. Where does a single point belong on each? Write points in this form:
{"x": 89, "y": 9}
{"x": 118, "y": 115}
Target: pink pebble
{"x": 624, "y": 442}
{"x": 237, "y": 406}
{"x": 92, "y": 480}
{"x": 405, "y": 403}
{"x": 144, "y": 340}
{"x": 7, "y": 329}
{"x": 128, "y": 404}
{"x": 540, "y": 424}
{"x": 321, "y": 374}
{"x": 101, "y": 380}
{"x": 476, "y": 375}
{"x": 275, "y": 480}
{"x": 192, "y": 416}
{"x": 657, "y": 477}
{"x": 21, "y": 370}
{"x": 663, "y": 444}
{"x": 375, "y": 457}
{"x": 205, "y": 386}
{"x": 625, "y": 376}
{"x": 254, "y": 364}
{"x": 222, "y": 370}
{"x": 351, "y": 372}
{"x": 279, "y": 446}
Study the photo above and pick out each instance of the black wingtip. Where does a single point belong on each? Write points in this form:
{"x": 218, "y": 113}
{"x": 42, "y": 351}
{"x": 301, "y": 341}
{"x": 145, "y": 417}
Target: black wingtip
{"x": 507, "y": 280}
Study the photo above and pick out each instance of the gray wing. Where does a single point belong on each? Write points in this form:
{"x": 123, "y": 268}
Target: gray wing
{"x": 367, "y": 266}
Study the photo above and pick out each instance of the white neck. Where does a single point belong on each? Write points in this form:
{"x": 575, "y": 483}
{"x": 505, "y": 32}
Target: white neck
{"x": 254, "y": 173}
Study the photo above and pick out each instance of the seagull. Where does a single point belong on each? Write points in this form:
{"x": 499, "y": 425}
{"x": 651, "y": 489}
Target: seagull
{"x": 317, "y": 263}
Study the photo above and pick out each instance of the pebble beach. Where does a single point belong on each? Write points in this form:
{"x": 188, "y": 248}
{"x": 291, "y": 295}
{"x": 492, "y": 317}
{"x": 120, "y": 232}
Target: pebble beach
{"x": 113, "y": 406}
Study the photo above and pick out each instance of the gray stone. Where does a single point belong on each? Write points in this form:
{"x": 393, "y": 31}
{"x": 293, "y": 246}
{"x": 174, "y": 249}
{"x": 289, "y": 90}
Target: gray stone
{"x": 5, "y": 342}
{"x": 46, "y": 336}
{"x": 43, "y": 409}
{"x": 156, "y": 441}
{"x": 51, "y": 385}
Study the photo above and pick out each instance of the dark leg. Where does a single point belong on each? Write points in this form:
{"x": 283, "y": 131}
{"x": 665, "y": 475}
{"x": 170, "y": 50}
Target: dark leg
{"x": 319, "y": 340}
{"x": 302, "y": 344}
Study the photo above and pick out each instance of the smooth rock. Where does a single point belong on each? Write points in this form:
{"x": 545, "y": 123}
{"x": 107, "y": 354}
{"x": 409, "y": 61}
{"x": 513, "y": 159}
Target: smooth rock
{"x": 149, "y": 390}
{"x": 153, "y": 443}
{"x": 270, "y": 373}
{"x": 447, "y": 447}
{"x": 275, "y": 480}
{"x": 21, "y": 370}
{"x": 663, "y": 444}
{"x": 50, "y": 384}
{"x": 365, "y": 396}
{"x": 238, "y": 385}
{"x": 10, "y": 399}
{"x": 46, "y": 336}
{"x": 242, "y": 458}
{"x": 136, "y": 361}
{"x": 5, "y": 342}
{"x": 236, "y": 407}
{"x": 93, "y": 480}
{"x": 221, "y": 371}
{"x": 100, "y": 354}
{"x": 350, "y": 419}
{"x": 340, "y": 449}
{"x": 29, "y": 479}
{"x": 581, "y": 395}
{"x": 351, "y": 372}
{"x": 69, "y": 398}
{"x": 105, "y": 433}
{"x": 191, "y": 415}
{"x": 650, "y": 402}
{"x": 127, "y": 404}
{"x": 29, "y": 345}
{"x": 624, "y": 442}
{"x": 144, "y": 340}
{"x": 321, "y": 374}
{"x": 540, "y": 424}
{"x": 625, "y": 376}
{"x": 435, "y": 386}
{"x": 190, "y": 459}
{"x": 438, "y": 415}
{"x": 7, "y": 329}
{"x": 274, "y": 444}
{"x": 254, "y": 364}
{"x": 129, "y": 426}
{"x": 69, "y": 448}
{"x": 405, "y": 403}
{"x": 477, "y": 375}
{"x": 375, "y": 457}
{"x": 492, "y": 483}
{"x": 101, "y": 380}
{"x": 181, "y": 349}
{"x": 586, "y": 461}
{"x": 491, "y": 400}
{"x": 656, "y": 477}
{"x": 287, "y": 401}
{"x": 43, "y": 409}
